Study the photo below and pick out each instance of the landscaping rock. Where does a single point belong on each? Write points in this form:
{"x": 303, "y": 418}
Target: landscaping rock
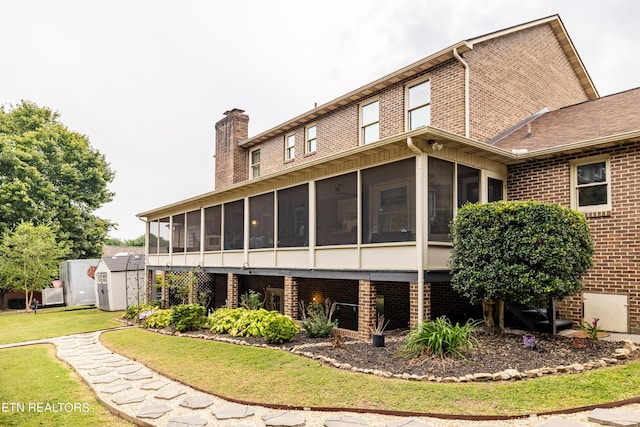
{"x": 345, "y": 421}
{"x": 134, "y": 397}
{"x": 408, "y": 423}
{"x": 153, "y": 410}
{"x": 187, "y": 421}
{"x": 232, "y": 411}
{"x": 615, "y": 417}
{"x": 284, "y": 419}
{"x": 154, "y": 385}
{"x": 557, "y": 422}
{"x": 169, "y": 393}
{"x": 197, "y": 402}
{"x": 116, "y": 388}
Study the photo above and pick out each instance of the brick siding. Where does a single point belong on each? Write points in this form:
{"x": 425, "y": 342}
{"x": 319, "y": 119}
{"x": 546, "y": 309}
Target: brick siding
{"x": 616, "y": 234}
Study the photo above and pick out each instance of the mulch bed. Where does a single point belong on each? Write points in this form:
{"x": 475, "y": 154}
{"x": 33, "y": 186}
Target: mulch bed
{"x": 492, "y": 354}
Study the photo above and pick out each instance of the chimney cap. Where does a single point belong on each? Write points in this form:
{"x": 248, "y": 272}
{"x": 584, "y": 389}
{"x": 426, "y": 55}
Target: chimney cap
{"x": 233, "y": 110}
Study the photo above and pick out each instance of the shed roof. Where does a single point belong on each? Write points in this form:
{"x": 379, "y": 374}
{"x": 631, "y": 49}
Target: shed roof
{"x": 130, "y": 262}
{"x": 614, "y": 116}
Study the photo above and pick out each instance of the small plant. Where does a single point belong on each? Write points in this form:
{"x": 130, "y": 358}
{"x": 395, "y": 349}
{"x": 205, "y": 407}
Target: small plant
{"x": 187, "y": 317}
{"x": 316, "y": 319}
{"x": 380, "y": 326}
{"x": 592, "y": 329}
{"x": 336, "y": 339}
{"x": 439, "y": 337}
{"x": 155, "y": 319}
{"x": 251, "y": 300}
{"x": 530, "y": 342}
{"x": 280, "y": 329}
{"x": 133, "y": 311}
{"x": 579, "y": 342}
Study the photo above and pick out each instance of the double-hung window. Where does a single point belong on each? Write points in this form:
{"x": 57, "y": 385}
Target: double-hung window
{"x": 370, "y": 122}
{"x": 254, "y": 163}
{"x": 591, "y": 184}
{"x": 310, "y": 133}
{"x": 289, "y": 147}
{"x": 419, "y": 105}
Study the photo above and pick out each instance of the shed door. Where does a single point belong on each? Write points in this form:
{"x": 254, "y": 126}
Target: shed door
{"x": 103, "y": 291}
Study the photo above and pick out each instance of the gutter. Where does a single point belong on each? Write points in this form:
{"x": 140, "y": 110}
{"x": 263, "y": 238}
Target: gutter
{"x": 466, "y": 90}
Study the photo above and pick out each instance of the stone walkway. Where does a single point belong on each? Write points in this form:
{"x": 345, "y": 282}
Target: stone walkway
{"x": 147, "y": 398}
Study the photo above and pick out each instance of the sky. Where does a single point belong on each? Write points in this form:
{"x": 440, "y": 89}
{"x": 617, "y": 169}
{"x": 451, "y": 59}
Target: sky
{"x": 146, "y": 80}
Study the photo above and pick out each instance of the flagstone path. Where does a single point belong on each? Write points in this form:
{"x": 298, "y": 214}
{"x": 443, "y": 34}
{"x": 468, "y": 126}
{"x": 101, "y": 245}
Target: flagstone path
{"x": 150, "y": 399}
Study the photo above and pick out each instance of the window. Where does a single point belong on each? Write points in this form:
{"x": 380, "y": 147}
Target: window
{"x": 311, "y": 139}
{"x": 440, "y": 199}
{"x": 293, "y": 217}
{"x": 590, "y": 184}
{"x": 212, "y": 228}
{"x": 164, "y": 234}
{"x": 153, "y": 237}
{"x": 289, "y": 147}
{"x": 254, "y": 163}
{"x": 337, "y": 210}
{"x": 389, "y": 203}
{"x": 468, "y": 185}
{"x": 178, "y": 233}
{"x": 234, "y": 225}
{"x": 370, "y": 119}
{"x": 495, "y": 190}
{"x": 261, "y": 221}
{"x": 193, "y": 231}
{"x": 419, "y": 105}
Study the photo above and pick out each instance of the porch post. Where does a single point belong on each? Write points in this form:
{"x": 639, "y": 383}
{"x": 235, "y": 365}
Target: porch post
{"x": 367, "y": 308}
{"x": 232, "y": 290}
{"x": 291, "y": 297}
{"x": 414, "y": 317}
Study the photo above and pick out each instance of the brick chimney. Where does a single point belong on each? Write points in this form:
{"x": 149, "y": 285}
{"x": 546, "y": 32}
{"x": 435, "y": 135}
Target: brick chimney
{"x": 231, "y": 160}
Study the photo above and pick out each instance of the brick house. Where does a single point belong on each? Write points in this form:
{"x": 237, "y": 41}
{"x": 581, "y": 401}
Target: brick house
{"x": 351, "y": 201}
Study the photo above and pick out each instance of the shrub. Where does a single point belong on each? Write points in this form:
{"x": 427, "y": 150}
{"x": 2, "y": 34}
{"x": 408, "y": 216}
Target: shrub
{"x": 187, "y": 317}
{"x": 276, "y": 328}
{"x": 223, "y": 319}
{"x": 155, "y": 319}
{"x": 251, "y": 300}
{"x": 280, "y": 329}
{"x": 592, "y": 329}
{"x": 134, "y": 311}
{"x": 439, "y": 337}
{"x": 316, "y": 319}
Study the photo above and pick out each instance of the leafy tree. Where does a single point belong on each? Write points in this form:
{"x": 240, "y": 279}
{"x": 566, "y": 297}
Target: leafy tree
{"x": 29, "y": 259}
{"x": 519, "y": 252}
{"x": 51, "y": 175}
{"x": 138, "y": 241}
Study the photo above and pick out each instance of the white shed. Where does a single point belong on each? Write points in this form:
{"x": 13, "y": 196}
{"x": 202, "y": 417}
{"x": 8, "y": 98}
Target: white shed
{"x": 78, "y": 282}
{"x": 120, "y": 282}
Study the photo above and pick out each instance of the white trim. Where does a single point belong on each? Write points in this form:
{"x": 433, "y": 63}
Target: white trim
{"x": 364, "y": 125}
{"x": 407, "y": 109}
{"x": 289, "y": 149}
{"x": 574, "y": 183}
{"x": 307, "y": 139}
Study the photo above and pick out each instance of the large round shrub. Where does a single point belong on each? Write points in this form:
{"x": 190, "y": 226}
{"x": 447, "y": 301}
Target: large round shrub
{"x": 520, "y": 252}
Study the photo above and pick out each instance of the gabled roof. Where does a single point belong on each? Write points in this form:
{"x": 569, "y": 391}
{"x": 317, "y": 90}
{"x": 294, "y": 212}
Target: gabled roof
{"x": 615, "y": 117}
{"x": 124, "y": 262}
{"x": 429, "y": 62}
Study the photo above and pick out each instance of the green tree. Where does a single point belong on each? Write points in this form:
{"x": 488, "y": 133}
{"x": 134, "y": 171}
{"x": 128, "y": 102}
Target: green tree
{"x": 519, "y": 252}
{"x": 51, "y": 175}
{"x": 29, "y": 259}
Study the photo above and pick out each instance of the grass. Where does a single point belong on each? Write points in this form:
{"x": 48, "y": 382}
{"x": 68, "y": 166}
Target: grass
{"x": 38, "y": 390}
{"x": 47, "y": 323}
{"x": 252, "y": 374}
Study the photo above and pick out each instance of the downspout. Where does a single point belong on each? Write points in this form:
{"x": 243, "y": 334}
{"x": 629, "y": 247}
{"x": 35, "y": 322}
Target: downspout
{"x": 419, "y": 225}
{"x": 466, "y": 90}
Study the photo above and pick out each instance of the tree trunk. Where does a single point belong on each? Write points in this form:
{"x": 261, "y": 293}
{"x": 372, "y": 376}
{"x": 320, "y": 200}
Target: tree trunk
{"x": 28, "y": 297}
{"x": 493, "y": 314}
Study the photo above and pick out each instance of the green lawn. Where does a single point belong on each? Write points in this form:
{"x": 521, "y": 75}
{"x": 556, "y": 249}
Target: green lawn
{"x": 38, "y": 390}
{"x": 252, "y": 374}
{"x": 47, "y": 323}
